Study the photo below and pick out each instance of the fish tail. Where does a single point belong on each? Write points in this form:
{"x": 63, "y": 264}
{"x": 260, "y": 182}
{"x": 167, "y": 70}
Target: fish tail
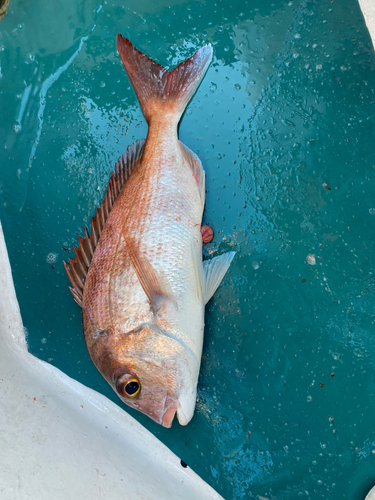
{"x": 157, "y": 89}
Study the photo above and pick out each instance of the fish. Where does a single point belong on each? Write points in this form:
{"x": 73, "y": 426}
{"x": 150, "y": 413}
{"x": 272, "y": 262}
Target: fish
{"x": 139, "y": 276}
{"x": 3, "y": 8}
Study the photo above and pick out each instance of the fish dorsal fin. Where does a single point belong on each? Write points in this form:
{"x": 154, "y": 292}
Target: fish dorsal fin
{"x": 197, "y": 169}
{"x": 214, "y": 271}
{"x": 78, "y": 267}
{"x": 155, "y": 284}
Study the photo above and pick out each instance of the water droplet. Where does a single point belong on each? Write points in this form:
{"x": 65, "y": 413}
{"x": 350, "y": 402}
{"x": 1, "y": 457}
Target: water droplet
{"x": 310, "y": 259}
{"x": 371, "y": 211}
{"x": 43, "y": 341}
{"x": 51, "y": 258}
{"x": 255, "y": 265}
{"x": 237, "y": 86}
{"x": 213, "y": 87}
{"x": 102, "y": 84}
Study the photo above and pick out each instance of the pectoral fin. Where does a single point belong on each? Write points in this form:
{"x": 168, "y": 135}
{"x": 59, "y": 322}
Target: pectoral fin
{"x": 155, "y": 284}
{"x": 214, "y": 271}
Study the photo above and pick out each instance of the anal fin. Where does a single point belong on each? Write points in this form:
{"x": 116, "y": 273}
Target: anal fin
{"x": 214, "y": 271}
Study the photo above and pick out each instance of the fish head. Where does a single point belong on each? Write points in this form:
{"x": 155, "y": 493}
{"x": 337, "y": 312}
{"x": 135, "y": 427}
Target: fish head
{"x": 152, "y": 373}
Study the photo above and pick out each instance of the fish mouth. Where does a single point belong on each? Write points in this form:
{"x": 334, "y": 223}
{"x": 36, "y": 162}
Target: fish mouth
{"x": 171, "y": 408}
{"x": 168, "y": 417}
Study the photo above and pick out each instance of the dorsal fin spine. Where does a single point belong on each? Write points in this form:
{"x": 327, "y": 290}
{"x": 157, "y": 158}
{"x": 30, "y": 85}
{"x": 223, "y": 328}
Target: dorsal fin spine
{"x": 94, "y": 236}
{"x": 80, "y": 260}
{"x": 111, "y": 191}
{"x": 76, "y": 276}
{"x": 77, "y": 296}
{"x": 88, "y": 241}
{"x": 83, "y": 246}
{"x": 105, "y": 208}
{"x": 69, "y": 273}
{"x": 107, "y": 205}
{"x": 118, "y": 172}
{"x": 78, "y": 267}
{"x": 98, "y": 220}
{"x": 102, "y": 219}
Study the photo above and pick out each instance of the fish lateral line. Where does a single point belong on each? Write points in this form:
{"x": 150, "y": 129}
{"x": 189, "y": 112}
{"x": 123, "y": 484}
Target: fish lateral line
{"x": 163, "y": 333}
{"x": 155, "y": 328}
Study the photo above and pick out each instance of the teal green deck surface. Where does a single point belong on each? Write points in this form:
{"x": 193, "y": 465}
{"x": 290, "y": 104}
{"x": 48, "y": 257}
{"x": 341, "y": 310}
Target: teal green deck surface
{"x": 284, "y": 123}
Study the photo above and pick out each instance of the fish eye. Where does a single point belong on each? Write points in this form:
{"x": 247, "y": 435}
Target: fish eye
{"x": 132, "y": 388}
{"x": 128, "y": 386}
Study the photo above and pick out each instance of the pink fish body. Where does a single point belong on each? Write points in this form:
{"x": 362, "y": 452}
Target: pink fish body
{"x": 139, "y": 277}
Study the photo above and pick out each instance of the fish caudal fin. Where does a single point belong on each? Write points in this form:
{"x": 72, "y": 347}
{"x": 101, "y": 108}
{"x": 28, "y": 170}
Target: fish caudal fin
{"x": 155, "y": 86}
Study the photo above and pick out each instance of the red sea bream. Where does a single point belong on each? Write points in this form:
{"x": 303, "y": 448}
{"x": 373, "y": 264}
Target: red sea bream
{"x": 139, "y": 277}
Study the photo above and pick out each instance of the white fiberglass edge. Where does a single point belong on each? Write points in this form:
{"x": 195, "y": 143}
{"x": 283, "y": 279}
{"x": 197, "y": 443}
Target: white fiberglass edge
{"x": 60, "y": 440}
{"x": 368, "y": 11}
